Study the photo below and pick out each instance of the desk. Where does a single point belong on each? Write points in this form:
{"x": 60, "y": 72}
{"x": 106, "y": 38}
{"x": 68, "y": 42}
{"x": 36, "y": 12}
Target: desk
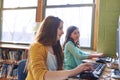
{"x": 106, "y": 74}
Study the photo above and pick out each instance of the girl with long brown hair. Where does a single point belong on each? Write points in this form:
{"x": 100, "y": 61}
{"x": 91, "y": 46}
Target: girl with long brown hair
{"x": 45, "y": 60}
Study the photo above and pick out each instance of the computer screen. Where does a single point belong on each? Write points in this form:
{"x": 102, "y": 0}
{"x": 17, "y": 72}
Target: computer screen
{"x": 118, "y": 43}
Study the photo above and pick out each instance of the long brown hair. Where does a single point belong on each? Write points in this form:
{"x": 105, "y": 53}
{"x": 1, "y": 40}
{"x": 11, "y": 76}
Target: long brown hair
{"x": 47, "y": 35}
{"x": 68, "y": 34}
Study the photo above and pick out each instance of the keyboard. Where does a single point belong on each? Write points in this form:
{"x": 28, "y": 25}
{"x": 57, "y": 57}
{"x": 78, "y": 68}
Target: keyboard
{"x": 115, "y": 73}
{"x": 95, "y": 74}
{"x": 98, "y": 68}
{"x": 108, "y": 59}
{"x": 104, "y": 59}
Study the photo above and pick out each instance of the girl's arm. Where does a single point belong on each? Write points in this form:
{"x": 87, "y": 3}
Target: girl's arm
{"x": 64, "y": 74}
{"x": 77, "y": 53}
{"x": 94, "y": 55}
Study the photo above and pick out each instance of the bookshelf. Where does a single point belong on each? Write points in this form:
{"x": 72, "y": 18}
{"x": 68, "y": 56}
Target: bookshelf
{"x": 10, "y": 55}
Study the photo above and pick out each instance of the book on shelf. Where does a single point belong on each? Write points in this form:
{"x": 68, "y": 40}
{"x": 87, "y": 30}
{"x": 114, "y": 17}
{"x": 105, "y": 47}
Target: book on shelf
{"x": 10, "y": 56}
{"x": 9, "y": 71}
{"x": 13, "y": 55}
{"x": 0, "y": 54}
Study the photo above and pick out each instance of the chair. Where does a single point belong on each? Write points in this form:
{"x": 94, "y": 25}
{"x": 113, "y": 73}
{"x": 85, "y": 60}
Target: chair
{"x": 22, "y": 73}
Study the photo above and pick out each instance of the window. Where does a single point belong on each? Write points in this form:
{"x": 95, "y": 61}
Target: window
{"x": 74, "y": 12}
{"x": 64, "y": 2}
{"x": 18, "y": 20}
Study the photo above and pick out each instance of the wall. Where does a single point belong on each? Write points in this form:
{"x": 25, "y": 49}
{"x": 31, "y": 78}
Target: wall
{"x": 109, "y": 10}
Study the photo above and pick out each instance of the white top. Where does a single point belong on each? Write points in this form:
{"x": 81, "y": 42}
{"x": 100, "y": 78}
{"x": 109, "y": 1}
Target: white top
{"x": 51, "y": 62}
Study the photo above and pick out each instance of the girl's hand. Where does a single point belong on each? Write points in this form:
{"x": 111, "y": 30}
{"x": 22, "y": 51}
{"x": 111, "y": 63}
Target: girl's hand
{"x": 100, "y": 54}
{"x": 85, "y": 66}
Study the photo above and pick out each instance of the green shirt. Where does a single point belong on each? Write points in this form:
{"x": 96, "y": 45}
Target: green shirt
{"x": 73, "y": 56}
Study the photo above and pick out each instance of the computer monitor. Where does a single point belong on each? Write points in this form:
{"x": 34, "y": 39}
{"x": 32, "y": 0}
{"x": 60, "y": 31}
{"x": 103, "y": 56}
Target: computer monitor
{"x": 118, "y": 43}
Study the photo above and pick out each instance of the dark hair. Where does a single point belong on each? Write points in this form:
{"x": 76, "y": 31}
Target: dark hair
{"x": 47, "y": 35}
{"x": 68, "y": 34}
{"x": 47, "y": 32}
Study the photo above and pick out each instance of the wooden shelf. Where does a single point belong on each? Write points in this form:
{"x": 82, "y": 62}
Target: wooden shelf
{"x": 9, "y": 62}
{"x": 4, "y": 79}
{"x": 14, "y": 46}
{"x": 8, "y": 78}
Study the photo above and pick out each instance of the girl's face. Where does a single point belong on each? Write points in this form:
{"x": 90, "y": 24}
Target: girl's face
{"x": 75, "y": 35}
{"x": 60, "y": 31}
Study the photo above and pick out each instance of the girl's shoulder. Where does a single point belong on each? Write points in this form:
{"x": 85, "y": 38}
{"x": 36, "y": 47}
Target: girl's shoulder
{"x": 37, "y": 45}
{"x": 70, "y": 42}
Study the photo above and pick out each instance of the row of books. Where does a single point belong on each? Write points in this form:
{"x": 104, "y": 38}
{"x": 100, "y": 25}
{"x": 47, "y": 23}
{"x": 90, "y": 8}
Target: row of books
{"x": 9, "y": 71}
{"x": 16, "y": 55}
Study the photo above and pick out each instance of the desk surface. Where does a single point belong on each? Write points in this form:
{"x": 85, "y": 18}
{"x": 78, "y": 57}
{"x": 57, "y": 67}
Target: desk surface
{"x": 106, "y": 74}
